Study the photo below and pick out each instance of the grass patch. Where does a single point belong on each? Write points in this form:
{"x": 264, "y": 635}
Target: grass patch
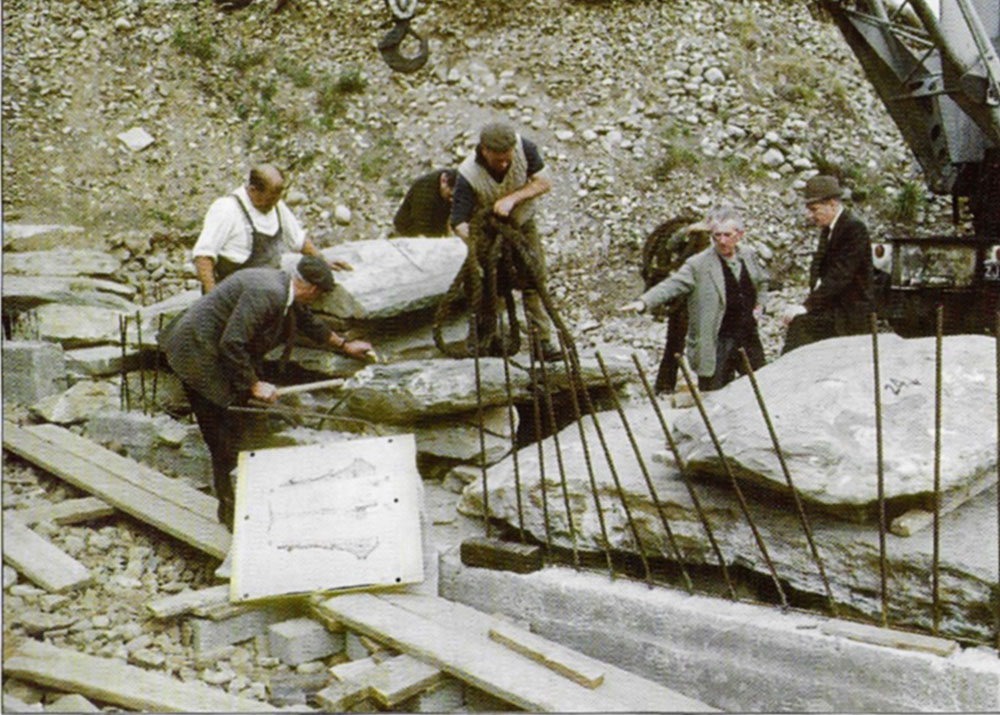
{"x": 241, "y": 60}
{"x": 379, "y": 155}
{"x": 351, "y": 81}
{"x": 678, "y": 152}
{"x": 195, "y": 42}
{"x": 907, "y": 203}
{"x": 300, "y": 74}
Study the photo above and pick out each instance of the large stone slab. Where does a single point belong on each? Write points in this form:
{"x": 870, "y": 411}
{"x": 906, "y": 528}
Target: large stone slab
{"x": 27, "y": 292}
{"x": 78, "y": 325}
{"x": 390, "y": 276}
{"x": 411, "y": 390}
{"x": 821, "y": 401}
{"x": 61, "y": 263}
{"x": 78, "y": 403}
{"x": 36, "y": 237}
{"x": 850, "y": 552}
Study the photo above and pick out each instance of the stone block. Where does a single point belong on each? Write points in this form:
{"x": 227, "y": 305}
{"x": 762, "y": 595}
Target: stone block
{"x": 357, "y": 647}
{"x": 101, "y": 360}
{"x": 78, "y": 403}
{"x": 446, "y": 696}
{"x": 209, "y": 635}
{"x": 32, "y": 370}
{"x": 74, "y": 703}
{"x": 299, "y": 640}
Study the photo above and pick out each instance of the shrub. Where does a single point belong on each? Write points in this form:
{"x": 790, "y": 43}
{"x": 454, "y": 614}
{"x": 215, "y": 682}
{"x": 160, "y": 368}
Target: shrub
{"x": 907, "y": 203}
{"x": 195, "y": 42}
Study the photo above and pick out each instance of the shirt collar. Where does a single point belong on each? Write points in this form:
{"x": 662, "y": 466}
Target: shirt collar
{"x": 836, "y": 217}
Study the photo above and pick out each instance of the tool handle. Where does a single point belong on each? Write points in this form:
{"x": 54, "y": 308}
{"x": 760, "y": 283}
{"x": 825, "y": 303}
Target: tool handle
{"x": 310, "y": 386}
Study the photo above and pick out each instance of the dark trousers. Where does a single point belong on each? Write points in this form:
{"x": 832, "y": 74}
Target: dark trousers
{"x": 677, "y": 326}
{"x": 221, "y": 430}
{"x": 728, "y": 360}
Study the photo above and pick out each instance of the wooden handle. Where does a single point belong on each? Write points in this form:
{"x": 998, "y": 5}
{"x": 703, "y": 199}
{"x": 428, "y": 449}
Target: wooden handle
{"x": 310, "y": 386}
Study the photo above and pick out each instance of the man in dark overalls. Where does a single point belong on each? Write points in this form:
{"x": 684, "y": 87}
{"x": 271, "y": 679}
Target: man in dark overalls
{"x": 250, "y": 228}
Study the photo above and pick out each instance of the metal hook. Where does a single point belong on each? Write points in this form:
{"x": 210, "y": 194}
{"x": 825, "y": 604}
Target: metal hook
{"x": 389, "y": 47}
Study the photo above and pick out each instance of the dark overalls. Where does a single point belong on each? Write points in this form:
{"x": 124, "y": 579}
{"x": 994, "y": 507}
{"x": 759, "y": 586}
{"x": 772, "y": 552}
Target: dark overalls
{"x": 265, "y": 250}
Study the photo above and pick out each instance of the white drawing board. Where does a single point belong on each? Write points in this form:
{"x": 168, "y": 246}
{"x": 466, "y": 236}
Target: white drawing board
{"x": 329, "y": 516}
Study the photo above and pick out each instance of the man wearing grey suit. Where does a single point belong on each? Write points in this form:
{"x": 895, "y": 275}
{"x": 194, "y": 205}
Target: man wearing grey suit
{"x": 217, "y": 346}
{"x": 722, "y": 284}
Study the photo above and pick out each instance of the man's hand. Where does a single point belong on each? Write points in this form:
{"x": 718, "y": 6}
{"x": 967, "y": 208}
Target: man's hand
{"x": 264, "y": 391}
{"x": 790, "y": 312}
{"x": 636, "y": 306}
{"x": 357, "y": 349}
{"x": 503, "y": 206}
{"x": 338, "y": 265}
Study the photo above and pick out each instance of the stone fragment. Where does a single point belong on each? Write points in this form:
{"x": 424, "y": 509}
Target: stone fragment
{"x": 73, "y": 703}
{"x": 61, "y": 263}
{"x": 9, "y": 577}
{"x": 136, "y": 138}
{"x": 77, "y": 325}
{"x": 101, "y": 360}
{"x": 78, "y": 403}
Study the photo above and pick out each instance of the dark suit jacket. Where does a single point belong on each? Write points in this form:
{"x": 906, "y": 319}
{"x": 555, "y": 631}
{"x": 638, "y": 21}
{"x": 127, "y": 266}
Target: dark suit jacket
{"x": 424, "y": 212}
{"x": 845, "y": 286}
{"x": 216, "y": 346}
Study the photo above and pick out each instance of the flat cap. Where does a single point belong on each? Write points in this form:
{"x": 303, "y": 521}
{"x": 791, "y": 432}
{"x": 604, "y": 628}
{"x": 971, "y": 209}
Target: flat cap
{"x": 497, "y": 136}
{"x": 315, "y": 270}
{"x": 821, "y": 188}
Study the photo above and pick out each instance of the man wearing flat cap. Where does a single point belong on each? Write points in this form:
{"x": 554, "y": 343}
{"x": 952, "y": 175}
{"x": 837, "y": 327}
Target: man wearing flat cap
{"x": 841, "y": 290}
{"x": 506, "y": 172}
{"x": 250, "y": 228}
{"x": 217, "y": 346}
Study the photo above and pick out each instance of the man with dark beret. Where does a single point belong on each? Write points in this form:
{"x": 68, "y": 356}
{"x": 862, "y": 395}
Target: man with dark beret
{"x": 841, "y": 280}
{"x": 506, "y": 172}
{"x": 426, "y": 206}
{"x": 217, "y": 346}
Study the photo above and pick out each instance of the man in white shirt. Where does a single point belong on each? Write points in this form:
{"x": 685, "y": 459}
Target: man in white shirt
{"x": 250, "y": 228}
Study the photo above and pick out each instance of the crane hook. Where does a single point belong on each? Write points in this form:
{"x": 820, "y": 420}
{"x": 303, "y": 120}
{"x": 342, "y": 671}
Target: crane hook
{"x": 402, "y": 11}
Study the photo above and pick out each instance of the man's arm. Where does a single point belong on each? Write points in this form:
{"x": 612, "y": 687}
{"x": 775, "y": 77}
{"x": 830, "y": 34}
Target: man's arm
{"x": 204, "y": 266}
{"x": 848, "y": 255}
{"x": 309, "y": 249}
{"x": 319, "y": 332}
{"x": 536, "y": 186}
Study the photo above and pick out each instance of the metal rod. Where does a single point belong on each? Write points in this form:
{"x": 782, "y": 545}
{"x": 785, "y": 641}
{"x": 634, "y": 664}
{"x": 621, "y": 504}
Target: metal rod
{"x": 123, "y": 330}
{"x": 263, "y": 408}
{"x": 536, "y": 411}
{"x": 513, "y": 429}
{"x": 156, "y": 362}
{"x": 936, "y": 568}
{"x": 547, "y": 394}
{"x": 611, "y": 467}
{"x": 645, "y": 474}
{"x": 693, "y": 387}
{"x": 310, "y": 386}
{"x": 572, "y": 368}
{"x": 479, "y": 421}
{"x": 651, "y": 394}
{"x": 873, "y": 322}
{"x": 142, "y": 361}
{"x": 803, "y": 520}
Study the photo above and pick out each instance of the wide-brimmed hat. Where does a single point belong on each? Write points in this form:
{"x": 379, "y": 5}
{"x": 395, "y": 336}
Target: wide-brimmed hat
{"x": 316, "y": 271}
{"x": 821, "y": 188}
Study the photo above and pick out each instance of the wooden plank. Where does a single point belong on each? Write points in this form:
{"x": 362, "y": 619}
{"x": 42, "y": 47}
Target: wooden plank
{"x": 562, "y": 660}
{"x": 111, "y": 681}
{"x": 187, "y": 601}
{"x": 205, "y": 534}
{"x": 640, "y": 694}
{"x": 40, "y": 560}
{"x": 137, "y": 473}
{"x": 501, "y": 555}
{"x": 341, "y": 696}
{"x": 70, "y": 511}
{"x": 400, "y": 678}
{"x": 479, "y": 661}
{"x": 914, "y": 520}
{"x": 889, "y": 638}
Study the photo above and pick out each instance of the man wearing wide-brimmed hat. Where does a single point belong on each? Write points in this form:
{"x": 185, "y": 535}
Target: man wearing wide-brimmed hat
{"x": 841, "y": 289}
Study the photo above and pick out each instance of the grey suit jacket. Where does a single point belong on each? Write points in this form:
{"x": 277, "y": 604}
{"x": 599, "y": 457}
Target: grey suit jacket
{"x": 700, "y": 278}
{"x": 216, "y": 346}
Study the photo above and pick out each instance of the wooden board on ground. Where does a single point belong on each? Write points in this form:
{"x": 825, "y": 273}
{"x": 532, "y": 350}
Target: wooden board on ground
{"x": 70, "y": 511}
{"x": 865, "y": 633}
{"x": 327, "y": 516}
{"x": 111, "y": 681}
{"x": 141, "y": 501}
{"x": 620, "y": 685}
{"x": 489, "y": 666}
{"x": 911, "y": 522}
{"x": 40, "y": 560}
{"x": 553, "y": 656}
{"x": 137, "y": 473}
{"x": 187, "y": 601}
{"x": 399, "y": 678}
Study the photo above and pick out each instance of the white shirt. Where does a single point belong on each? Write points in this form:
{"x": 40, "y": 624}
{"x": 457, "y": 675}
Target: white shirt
{"x": 225, "y": 232}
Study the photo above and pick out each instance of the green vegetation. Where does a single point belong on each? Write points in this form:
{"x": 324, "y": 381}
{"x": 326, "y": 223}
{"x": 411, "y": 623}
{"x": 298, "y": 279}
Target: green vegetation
{"x": 679, "y": 152}
{"x": 376, "y": 157}
{"x": 907, "y": 203}
{"x": 241, "y": 60}
{"x": 196, "y": 42}
{"x": 351, "y": 81}
{"x": 299, "y": 73}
